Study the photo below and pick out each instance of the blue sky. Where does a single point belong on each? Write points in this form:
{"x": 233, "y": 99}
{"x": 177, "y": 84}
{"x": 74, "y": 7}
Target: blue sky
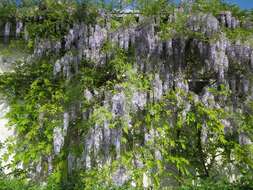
{"x": 245, "y": 4}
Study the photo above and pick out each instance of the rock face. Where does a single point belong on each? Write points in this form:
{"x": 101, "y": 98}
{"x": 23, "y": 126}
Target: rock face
{"x": 170, "y": 61}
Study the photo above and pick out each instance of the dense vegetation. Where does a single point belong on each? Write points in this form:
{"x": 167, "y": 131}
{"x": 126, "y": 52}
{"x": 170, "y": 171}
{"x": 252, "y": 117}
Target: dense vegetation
{"x": 38, "y": 99}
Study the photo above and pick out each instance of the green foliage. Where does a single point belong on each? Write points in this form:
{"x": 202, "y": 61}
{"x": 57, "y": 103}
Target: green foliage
{"x": 155, "y": 7}
{"x": 242, "y": 34}
{"x": 175, "y": 152}
{"x": 55, "y": 20}
{"x": 175, "y": 28}
{"x": 15, "y": 48}
{"x": 7, "y": 183}
{"x": 169, "y": 139}
{"x": 86, "y": 12}
{"x": 35, "y": 110}
{"x": 216, "y": 7}
{"x": 243, "y": 183}
{"x": 7, "y": 10}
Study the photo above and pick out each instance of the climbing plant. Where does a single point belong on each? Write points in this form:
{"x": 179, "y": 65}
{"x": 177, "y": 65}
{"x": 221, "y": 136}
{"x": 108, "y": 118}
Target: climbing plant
{"x": 168, "y": 142}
